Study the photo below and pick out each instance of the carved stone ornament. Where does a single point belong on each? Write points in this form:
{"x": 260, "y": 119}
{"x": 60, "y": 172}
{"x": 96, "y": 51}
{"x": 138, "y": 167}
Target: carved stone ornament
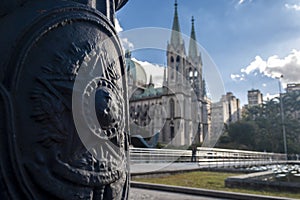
{"x": 63, "y": 103}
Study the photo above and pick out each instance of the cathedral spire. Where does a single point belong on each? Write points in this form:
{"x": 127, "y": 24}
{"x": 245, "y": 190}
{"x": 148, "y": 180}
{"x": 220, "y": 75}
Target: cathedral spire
{"x": 176, "y": 38}
{"x": 151, "y": 81}
{"x": 193, "y": 48}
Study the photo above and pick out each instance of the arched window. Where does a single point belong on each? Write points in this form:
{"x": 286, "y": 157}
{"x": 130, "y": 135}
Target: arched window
{"x": 172, "y": 130}
{"x": 172, "y": 67}
{"x": 177, "y": 63}
{"x": 195, "y": 73}
{"x": 172, "y": 108}
{"x": 132, "y": 109}
{"x": 172, "y": 59}
{"x": 190, "y": 73}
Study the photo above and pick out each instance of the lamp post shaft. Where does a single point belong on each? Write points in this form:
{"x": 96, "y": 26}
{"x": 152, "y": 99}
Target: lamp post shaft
{"x": 282, "y": 120}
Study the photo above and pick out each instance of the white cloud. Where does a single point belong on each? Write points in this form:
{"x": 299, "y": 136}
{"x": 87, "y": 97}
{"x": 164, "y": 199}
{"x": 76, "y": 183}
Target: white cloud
{"x": 293, "y": 7}
{"x": 126, "y": 44}
{"x": 118, "y": 26}
{"x": 274, "y": 66}
{"x": 157, "y": 72}
{"x": 257, "y": 64}
{"x": 241, "y": 1}
{"x": 237, "y": 77}
{"x": 269, "y": 96}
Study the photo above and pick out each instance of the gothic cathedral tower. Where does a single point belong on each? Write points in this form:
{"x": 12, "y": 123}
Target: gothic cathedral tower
{"x": 194, "y": 75}
{"x": 184, "y": 87}
{"x": 175, "y": 53}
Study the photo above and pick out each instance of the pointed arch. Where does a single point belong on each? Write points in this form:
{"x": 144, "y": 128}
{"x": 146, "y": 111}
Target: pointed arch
{"x": 177, "y": 63}
{"x": 172, "y": 59}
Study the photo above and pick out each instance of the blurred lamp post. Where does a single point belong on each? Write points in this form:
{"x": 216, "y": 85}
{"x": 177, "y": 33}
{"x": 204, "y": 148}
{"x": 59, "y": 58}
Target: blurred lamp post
{"x": 282, "y": 117}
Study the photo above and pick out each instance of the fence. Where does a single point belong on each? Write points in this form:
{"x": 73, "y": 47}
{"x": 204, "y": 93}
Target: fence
{"x": 148, "y": 155}
{"x": 204, "y": 155}
{"x": 230, "y": 157}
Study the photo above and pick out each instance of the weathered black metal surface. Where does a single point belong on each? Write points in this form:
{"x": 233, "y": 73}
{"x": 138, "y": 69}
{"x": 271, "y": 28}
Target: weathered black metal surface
{"x": 44, "y": 153}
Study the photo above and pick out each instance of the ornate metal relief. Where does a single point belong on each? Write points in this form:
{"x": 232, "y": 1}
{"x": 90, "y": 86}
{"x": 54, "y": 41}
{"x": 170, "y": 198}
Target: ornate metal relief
{"x": 63, "y": 125}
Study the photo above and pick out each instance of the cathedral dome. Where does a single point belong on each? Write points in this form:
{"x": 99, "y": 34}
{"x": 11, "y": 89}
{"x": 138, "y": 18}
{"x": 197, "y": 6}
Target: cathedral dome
{"x": 136, "y": 71}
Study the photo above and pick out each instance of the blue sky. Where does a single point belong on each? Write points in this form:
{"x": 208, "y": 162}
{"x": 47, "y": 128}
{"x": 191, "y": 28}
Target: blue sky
{"x": 251, "y": 41}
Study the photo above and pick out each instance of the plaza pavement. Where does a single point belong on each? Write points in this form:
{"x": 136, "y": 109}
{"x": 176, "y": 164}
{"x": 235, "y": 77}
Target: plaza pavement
{"x": 144, "y": 194}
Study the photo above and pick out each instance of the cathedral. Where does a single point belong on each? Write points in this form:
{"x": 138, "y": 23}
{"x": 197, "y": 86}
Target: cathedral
{"x": 176, "y": 111}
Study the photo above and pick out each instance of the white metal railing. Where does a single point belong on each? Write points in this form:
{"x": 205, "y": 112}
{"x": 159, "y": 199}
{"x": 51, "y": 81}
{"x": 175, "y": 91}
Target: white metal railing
{"x": 231, "y": 157}
{"x": 149, "y": 155}
{"x": 203, "y": 155}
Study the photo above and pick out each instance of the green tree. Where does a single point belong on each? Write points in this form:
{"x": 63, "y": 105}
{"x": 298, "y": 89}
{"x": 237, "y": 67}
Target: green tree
{"x": 261, "y": 126}
{"x": 243, "y": 133}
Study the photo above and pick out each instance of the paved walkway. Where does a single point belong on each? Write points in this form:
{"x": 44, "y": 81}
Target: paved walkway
{"x": 144, "y": 194}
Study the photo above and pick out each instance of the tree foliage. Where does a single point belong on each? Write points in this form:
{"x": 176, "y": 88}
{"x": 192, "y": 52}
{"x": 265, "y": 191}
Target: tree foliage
{"x": 261, "y": 127}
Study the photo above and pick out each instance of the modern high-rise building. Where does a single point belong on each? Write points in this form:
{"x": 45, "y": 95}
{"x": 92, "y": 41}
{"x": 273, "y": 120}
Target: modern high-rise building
{"x": 255, "y": 97}
{"x": 177, "y": 109}
{"x": 225, "y": 111}
{"x": 291, "y": 87}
